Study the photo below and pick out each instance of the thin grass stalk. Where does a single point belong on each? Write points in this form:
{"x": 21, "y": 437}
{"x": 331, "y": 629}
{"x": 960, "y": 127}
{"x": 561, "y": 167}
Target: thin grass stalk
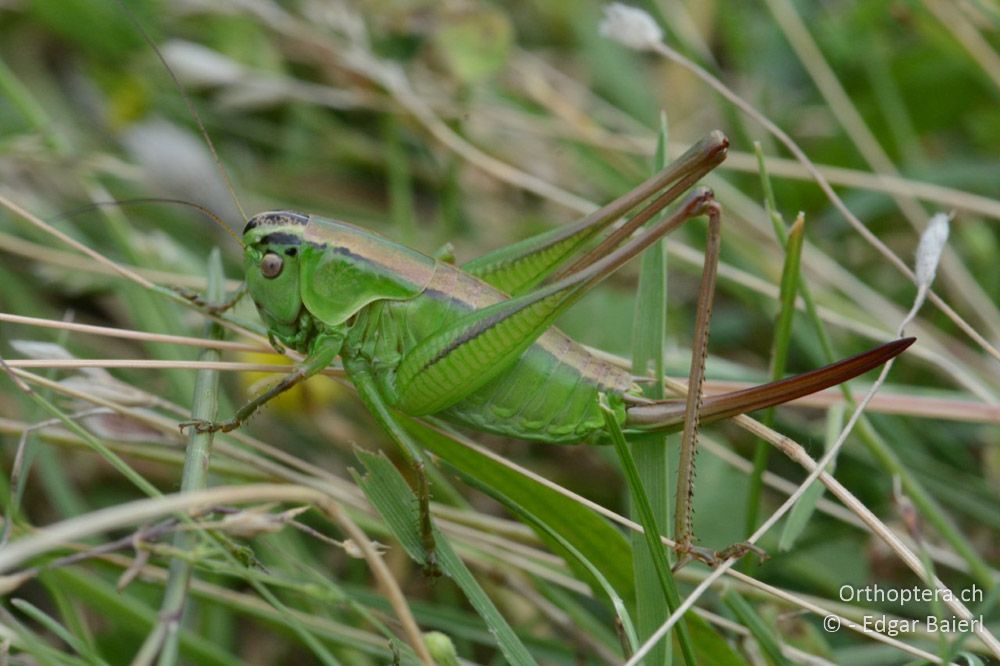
{"x": 798, "y": 517}
{"x": 195, "y": 477}
{"x": 779, "y": 356}
{"x": 960, "y": 281}
{"x": 19, "y": 636}
{"x": 885, "y": 456}
{"x": 59, "y": 489}
{"x": 110, "y": 456}
{"x": 139, "y": 511}
{"x": 128, "y": 334}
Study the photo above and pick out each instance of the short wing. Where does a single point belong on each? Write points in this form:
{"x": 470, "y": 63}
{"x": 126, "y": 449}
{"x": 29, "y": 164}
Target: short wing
{"x": 344, "y": 268}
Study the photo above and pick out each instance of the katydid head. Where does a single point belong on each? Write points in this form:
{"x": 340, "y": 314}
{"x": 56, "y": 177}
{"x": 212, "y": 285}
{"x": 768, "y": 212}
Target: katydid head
{"x": 271, "y": 252}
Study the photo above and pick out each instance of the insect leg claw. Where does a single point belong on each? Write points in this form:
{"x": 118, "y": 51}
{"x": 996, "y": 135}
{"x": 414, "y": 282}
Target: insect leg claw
{"x": 738, "y": 550}
{"x": 202, "y": 426}
{"x": 714, "y": 558}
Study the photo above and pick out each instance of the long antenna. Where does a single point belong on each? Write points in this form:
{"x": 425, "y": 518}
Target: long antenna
{"x": 194, "y": 114}
{"x": 204, "y": 210}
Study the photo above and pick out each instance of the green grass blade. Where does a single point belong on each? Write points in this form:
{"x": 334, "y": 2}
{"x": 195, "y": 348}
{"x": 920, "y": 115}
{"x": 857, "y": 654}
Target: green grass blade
{"x": 22, "y": 638}
{"x": 616, "y": 601}
{"x": 880, "y": 449}
{"x": 766, "y": 638}
{"x": 50, "y": 623}
{"x": 650, "y": 451}
{"x": 779, "y": 353}
{"x": 134, "y": 617}
{"x": 400, "y": 181}
{"x": 789, "y": 290}
{"x": 102, "y": 450}
{"x": 195, "y": 477}
{"x": 392, "y": 502}
{"x": 392, "y": 498}
{"x": 770, "y": 205}
{"x": 651, "y": 531}
{"x": 581, "y": 614}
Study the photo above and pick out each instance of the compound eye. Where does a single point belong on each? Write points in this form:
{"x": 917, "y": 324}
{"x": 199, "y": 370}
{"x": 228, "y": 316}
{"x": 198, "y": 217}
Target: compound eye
{"x": 271, "y": 265}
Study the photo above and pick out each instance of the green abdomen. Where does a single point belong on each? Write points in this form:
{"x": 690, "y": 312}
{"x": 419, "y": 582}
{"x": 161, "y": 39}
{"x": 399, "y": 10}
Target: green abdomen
{"x": 549, "y": 394}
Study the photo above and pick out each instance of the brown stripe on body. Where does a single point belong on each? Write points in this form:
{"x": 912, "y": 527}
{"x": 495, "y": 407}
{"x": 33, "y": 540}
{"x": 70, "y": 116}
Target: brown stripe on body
{"x": 382, "y": 253}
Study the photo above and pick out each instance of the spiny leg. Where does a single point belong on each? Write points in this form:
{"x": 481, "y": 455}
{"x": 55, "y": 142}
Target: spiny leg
{"x": 361, "y": 377}
{"x": 683, "y": 528}
{"x": 694, "y": 402}
{"x": 684, "y": 511}
{"x": 672, "y": 415}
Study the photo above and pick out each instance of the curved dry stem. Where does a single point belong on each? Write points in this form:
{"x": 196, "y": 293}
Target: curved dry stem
{"x": 139, "y": 511}
{"x": 385, "y": 578}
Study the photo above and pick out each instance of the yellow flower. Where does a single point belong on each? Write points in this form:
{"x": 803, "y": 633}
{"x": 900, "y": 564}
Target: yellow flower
{"x": 311, "y": 394}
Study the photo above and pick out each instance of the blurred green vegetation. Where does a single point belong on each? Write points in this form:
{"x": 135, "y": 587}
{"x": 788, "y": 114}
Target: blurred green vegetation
{"x": 410, "y": 117}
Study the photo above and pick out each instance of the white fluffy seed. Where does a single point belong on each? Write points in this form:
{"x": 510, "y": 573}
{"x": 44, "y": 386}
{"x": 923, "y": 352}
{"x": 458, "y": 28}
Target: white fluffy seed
{"x": 929, "y": 250}
{"x": 631, "y": 26}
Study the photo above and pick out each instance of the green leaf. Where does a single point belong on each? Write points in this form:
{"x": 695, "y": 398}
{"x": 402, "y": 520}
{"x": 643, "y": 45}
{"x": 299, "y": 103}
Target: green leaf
{"x": 597, "y": 541}
{"x": 620, "y": 610}
{"x": 592, "y": 537}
